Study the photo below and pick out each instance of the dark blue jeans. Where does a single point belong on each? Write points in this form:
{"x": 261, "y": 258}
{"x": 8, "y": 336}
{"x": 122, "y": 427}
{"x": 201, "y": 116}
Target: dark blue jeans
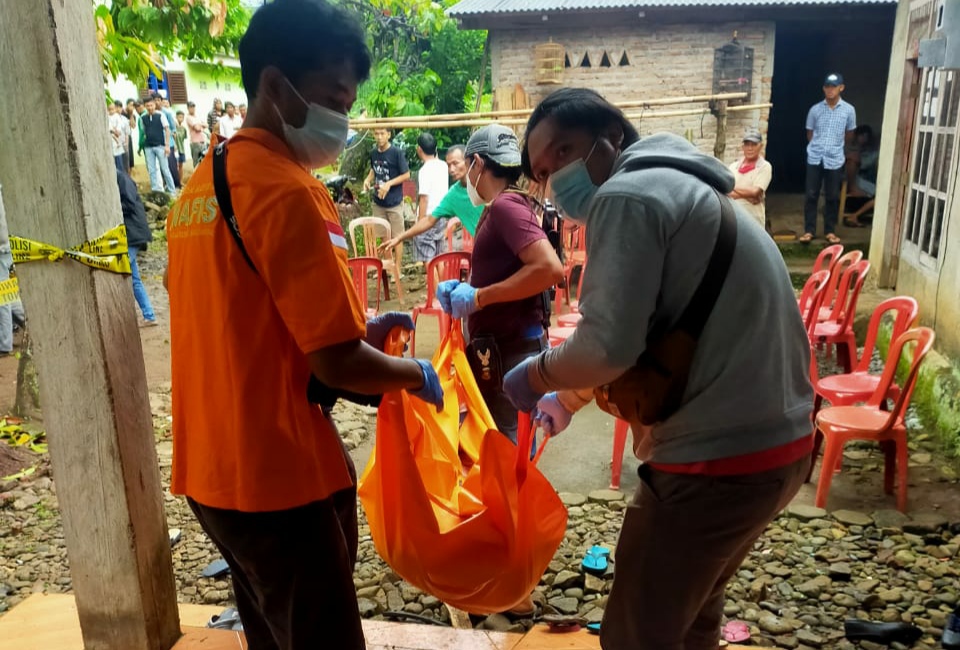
{"x": 831, "y": 180}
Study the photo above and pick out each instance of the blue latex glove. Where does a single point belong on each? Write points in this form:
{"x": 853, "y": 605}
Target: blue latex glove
{"x": 379, "y": 327}
{"x": 444, "y": 289}
{"x": 517, "y": 388}
{"x": 431, "y": 392}
{"x": 464, "y": 300}
{"x": 551, "y": 415}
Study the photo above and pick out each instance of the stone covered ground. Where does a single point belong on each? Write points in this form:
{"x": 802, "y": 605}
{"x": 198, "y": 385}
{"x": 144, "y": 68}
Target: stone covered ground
{"x": 809, "y": 572}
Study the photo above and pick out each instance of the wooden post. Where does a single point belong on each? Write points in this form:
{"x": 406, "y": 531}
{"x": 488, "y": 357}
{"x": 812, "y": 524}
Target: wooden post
{"x": 720, "y": 145}
{"x": 483, "y": 73}
{"x": 60, "y": 188}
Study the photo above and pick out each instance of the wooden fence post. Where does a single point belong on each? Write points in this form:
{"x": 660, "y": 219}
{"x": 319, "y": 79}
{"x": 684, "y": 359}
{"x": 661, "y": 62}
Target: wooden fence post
{"x": 60, "y": 188}
{"x": 720, "y": 145}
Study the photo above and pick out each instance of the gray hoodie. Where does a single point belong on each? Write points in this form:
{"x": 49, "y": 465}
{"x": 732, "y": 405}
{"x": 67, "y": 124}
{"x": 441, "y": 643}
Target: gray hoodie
{"x": 650, "y": 231}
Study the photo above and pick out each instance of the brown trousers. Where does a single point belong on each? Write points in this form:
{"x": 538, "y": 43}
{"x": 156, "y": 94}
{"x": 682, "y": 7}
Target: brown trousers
{"x": 683, "y": 538}
{"x": 292, "y": 571}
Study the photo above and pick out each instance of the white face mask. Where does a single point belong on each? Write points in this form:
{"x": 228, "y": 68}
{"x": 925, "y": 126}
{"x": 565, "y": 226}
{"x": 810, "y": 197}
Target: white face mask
{"x": 321, "y": 138}
{"x": 472, "y": 192}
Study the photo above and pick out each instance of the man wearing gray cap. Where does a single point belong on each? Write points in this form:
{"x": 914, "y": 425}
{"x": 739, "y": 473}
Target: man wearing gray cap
{"x": 513, "y": 265}
{"x": 752, "y": 174}
{"x": 830, "y": 125}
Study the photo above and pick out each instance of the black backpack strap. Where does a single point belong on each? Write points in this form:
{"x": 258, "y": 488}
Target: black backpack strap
{"x": 695, "y": 316}
{"x": 222, "y": 189}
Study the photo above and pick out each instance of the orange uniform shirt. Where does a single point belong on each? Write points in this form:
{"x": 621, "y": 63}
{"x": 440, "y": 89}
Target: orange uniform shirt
{"x": 244, "y": 436}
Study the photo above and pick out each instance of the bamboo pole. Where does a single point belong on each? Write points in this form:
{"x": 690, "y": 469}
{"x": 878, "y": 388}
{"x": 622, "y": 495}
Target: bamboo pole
{"x": 414, "y": 123}
{"x": 519, "y": 112}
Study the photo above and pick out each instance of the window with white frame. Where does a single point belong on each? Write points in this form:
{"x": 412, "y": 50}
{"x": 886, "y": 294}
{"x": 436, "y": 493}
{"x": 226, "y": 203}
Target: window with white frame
{"x": 930, "y": 180}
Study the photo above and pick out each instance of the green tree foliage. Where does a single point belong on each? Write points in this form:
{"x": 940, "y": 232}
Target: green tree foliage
{"x": 134, "y": 34}
{"x": 423, "y": 64}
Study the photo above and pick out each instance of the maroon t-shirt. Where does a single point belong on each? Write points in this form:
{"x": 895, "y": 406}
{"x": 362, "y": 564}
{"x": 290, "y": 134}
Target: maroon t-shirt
{"x": 507, "y": 226}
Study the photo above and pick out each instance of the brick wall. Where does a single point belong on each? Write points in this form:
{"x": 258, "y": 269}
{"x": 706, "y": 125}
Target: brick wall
{"x": 665, "y": 60}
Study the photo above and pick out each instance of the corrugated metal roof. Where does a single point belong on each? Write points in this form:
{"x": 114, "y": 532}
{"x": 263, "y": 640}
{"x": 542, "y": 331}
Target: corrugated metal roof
{"x": 472, "y": 7}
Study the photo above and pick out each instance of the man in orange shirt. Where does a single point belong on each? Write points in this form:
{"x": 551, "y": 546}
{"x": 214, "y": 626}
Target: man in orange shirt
{"x": 253, "y": 318}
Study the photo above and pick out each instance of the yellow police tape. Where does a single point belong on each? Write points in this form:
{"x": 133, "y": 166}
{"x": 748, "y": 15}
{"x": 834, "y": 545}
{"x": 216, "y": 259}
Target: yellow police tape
{"x": 108, "y": 252}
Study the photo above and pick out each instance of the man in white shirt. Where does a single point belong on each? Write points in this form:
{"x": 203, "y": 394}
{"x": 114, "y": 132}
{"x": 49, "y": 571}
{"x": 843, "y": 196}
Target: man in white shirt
{"x": 752, "y": 175}
{"x": 229, "y": 122}
{"x": 118, "y": 136}
{"x": 433, "y": 183}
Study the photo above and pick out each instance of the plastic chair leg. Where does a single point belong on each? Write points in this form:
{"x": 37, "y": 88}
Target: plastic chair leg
{"x": 396, "y": 278}
{"x": 817, "y": 436}
{"x": 413, "y": 334}
{"x": 889, "y": 449}
{"x": 385, "y": 283}
{"x": 832, "y": 452}
{"x": 902, "y": 473}
{"x": 620, "y": 429}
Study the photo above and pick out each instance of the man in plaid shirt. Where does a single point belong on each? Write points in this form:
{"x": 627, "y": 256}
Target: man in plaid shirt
{"x": 830, "y": 125}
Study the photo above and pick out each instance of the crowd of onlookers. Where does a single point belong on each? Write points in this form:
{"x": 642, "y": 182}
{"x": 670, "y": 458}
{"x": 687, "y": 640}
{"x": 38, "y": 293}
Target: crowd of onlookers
{"x": 161, "y": 135}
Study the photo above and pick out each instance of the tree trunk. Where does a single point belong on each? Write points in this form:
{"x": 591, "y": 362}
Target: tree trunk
{"x": 84, "y": 328}
{"x": 27, "y": 404}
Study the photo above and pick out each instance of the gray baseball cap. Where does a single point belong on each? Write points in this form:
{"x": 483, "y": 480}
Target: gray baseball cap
{"x": 752, "y": 135}
{"x": 497, "y": 142}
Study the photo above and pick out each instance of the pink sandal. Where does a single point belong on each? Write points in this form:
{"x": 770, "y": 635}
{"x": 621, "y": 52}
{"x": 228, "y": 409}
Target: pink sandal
{"x": 736, "y": 631}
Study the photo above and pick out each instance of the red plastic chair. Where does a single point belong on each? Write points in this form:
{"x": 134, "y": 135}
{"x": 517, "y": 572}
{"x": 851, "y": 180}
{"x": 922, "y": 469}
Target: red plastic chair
{"x": 857, "y": 386}
{"x": 452, "y": 225}
{"x": 571, "y": 319}
{"x": 827, "y": 258}
{"x": 812, "y": 296}
{"x": 574, "y": 239}
{"x": 620, "y": 427}
{"x": 620, "y": 430}
{"x": 446, "y": 266}
{"x": 360, "y": 269}
{"x": 838, "y": 331}
{"x": 841, "y": 424}
{"x": 836, "y": 277}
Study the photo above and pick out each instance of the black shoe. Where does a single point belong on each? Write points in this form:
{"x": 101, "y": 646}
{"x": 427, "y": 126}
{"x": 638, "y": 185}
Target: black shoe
{"x": 886, "y": 633}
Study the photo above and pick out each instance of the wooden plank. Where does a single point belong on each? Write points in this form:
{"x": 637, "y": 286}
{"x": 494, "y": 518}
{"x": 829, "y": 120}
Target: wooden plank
{"x": 87, "y": 343}
{"x": 48, "y": 622}
{"x": 51, "y": 623}
{"x": 541, "y": 638}
{"x": 720, "y": 144}
{"x": 459, "y": 619}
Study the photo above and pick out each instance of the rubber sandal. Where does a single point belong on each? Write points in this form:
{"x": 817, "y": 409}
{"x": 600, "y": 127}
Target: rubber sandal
{"x": 595, "y": 561}
{"x": 216, "y": 569}
{"x": 736, "y": 631}
{"x": 831, "y": 238}
{"x": 885, "y": 633}
{"x": 593, "y": 628}
{"x": 561, "y": 623}
{"x": 805, "y": 238}
{"x": 850, "y": 223}
{"x": 228, "y": 619}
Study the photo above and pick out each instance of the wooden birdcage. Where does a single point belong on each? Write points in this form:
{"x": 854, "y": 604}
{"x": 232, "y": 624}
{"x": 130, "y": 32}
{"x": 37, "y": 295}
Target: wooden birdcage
{"x": 733, "y": 69}
{"x": 548, "y": 59}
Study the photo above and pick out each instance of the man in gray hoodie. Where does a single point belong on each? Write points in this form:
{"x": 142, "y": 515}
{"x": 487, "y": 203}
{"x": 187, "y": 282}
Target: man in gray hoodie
{"x": 720, "y": 468}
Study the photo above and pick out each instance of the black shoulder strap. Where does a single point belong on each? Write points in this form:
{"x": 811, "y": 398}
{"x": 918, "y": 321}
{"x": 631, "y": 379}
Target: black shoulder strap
{"x": 695, "y": 316}
{"x": 222, "y": 189}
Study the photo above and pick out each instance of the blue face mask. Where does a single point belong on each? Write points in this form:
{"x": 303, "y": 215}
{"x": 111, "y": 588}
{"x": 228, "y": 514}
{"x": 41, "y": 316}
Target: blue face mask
{"x": 573, "y": 189}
